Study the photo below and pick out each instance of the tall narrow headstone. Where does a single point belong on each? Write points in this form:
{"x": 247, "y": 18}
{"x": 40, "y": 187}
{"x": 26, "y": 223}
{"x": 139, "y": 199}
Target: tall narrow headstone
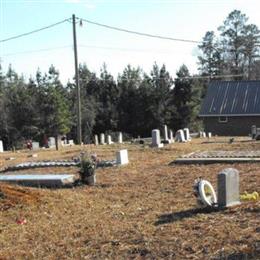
{"x": 228, "y": 187}
{"x": 102, "y": 139}
{"x": 1, "y": 146}
{"x": 96, "y": 140}
{"x": 171, "y": 136}
{"x": 253, "y": 131}
{"x": 122, "y": 157}
{"x": 51, "y": 142}
{"x": 209, "y": 135}
{"x": 109, "y": 140}
{"x": 156, "y": 139}
{"x": 187, "y": 134}
{"x": 179, "y": 137}
{"x": 204, "y": 134}
{"x": 120, "y": 138}
{"x": 165, "y": 133}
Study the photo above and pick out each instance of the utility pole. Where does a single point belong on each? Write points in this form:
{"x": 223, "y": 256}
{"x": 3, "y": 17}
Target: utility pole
{"x": 79, "y": 132}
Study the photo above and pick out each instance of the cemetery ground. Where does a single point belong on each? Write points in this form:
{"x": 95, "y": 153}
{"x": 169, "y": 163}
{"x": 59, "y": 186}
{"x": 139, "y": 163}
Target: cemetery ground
{"x": 144, "y": 210}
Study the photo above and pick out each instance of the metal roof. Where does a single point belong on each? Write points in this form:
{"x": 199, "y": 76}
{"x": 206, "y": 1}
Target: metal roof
{"x": 232, "y": 98}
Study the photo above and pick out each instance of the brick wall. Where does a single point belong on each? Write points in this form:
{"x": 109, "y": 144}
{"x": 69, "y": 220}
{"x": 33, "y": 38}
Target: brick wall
{"x": 235, "y": 126}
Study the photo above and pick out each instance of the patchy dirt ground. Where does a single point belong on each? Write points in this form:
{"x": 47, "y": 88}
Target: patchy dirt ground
{"x": 145, "y": 210}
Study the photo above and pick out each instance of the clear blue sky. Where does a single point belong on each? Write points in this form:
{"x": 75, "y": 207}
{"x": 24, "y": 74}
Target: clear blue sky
{"x": 188, "y": 19}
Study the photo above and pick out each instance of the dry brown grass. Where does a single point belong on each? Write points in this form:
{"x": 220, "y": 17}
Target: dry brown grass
{"x": 144, "y": 210}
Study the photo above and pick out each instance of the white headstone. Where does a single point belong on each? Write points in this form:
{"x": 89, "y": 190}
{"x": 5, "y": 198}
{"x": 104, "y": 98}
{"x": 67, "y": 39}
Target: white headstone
{"x": 165, "y": 133}
{"x": 209, "y": 135}
{"x": 204, "y": 135}
{"x": 187, "y": 134}
{"x": 171, "y": 138}
{"x": 51, "y": 142}
{"x": 109, "y": 139}
{"x": 71, "y": 142}
{"x": 228, "y": 187}
{"x": 102, "y": 138}
{"x": 156, "y": 139}
{"x": 122, "y": 157}
{"x": 120, "y": 138}
{"x": 96, "y": 140}
{"x": 179, "y": 136}
{"x": 1, "y": 146}
{"x": 35, "y": 145}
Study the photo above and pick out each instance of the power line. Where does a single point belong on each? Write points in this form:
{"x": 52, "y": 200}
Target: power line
{"x": 34, "y": 31}
{"x": 36, "y": 51}
{"x": 138, "y": 33}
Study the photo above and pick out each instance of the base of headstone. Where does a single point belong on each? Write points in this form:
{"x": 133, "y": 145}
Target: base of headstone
{"x": 157, "y": 145}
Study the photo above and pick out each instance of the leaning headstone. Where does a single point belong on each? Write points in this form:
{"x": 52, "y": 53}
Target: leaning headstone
{"x": 253, "y": 131}
{"x": 96, "y": 140}
{"x": 187, "y": 134}
{"x": 120, "y": 138}
{"x": 35, "y": 145}
{"x": 102, "y": 139}
{"x": 228, "y": 188}
{"x": 156, "y": 139}
{"x": 179, "y": 137}
{"x": 122, "y": 157}
{"x": 1, "y": 146}
{"x": 109, "y": 139}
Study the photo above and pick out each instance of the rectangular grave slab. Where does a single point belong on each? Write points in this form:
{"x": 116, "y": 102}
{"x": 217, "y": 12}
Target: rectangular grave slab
{"x": 50, "y": 180}
{"x": 122, "y": 157}
{"x": 228, "y": 188}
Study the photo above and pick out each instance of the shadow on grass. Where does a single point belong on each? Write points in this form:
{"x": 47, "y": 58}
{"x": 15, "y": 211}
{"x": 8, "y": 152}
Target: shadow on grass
{"x": 177, "y": 216}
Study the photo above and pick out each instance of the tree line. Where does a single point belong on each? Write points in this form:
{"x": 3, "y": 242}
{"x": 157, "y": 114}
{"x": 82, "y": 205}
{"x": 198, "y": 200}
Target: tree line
{"x": 135, "y": 102}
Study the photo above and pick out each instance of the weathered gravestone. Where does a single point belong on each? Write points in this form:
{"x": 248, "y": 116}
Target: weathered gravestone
{"x": 35, "y": 146}
{"x": 156, "y": 139}
{"x": 209, "y": 135}
{"x": 102, "y": 139}
{"x": 179, "y": 136}
{"x": 96, "y": 140}
{"x": 120, "y": 138}
{"x": 253, "y": 131}
{"x": 109, "y": 139}
{"x": 1, "y": 146}
{"x": 165, "y": 134}
{"x": 122, "y": 157}
{"x": 187, "y": 134}
{"x": 171, "y": 136}
{"x": 228, "y": 188}
{"x": 51, "y": 142}
{"x": 257, "y": 136}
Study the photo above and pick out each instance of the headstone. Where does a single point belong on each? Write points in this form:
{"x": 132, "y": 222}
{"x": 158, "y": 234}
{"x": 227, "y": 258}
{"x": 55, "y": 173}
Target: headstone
{"x": 228, "y": 188}
{"x": 102, "y": 139}
{"x": 209, "y": 135}
{"x": 109, "y": 140}
{"x": 179, "y": 137}
{"x": 165, "y": 133}
{"x": 187, "y": 134}
{"x": 120, "y": 138}
{"x": 71, "y": 142}
{"x": 122, "y": 157}
{"x": 51, "y": 142}
{"x": 156, "y": 139}
{"x": 171, "y": 136}
{"x": 1, "y": 146}
{"x": 96, "y": 140}
{"x": 204, "y": 134}
{"x": 253, "y": 131}
{"x": 35, "y": 145}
